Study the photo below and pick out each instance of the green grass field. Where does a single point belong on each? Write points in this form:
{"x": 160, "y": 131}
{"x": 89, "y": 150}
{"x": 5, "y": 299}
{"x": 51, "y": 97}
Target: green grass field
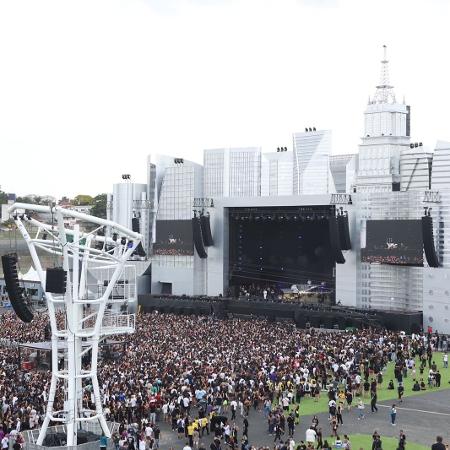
{"x": 309, "y": 407}
{"x": 364, "y": 441}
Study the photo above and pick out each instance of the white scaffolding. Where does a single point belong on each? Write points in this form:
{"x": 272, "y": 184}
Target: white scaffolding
{"x": 100, "y": 295}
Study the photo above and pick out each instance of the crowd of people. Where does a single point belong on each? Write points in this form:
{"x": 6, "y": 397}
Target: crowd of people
{"x": 203, "y": 375}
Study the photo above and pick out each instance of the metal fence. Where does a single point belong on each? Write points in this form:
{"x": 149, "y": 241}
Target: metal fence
{"x": 31, "y": 436}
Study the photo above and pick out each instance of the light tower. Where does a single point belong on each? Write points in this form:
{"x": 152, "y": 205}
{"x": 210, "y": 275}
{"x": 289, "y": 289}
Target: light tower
{"x": 92, "y": 303}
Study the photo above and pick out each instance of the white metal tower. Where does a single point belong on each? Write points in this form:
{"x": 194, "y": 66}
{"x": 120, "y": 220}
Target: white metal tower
{"x": 384, "y": 92}
{"x": 100, "y": 289}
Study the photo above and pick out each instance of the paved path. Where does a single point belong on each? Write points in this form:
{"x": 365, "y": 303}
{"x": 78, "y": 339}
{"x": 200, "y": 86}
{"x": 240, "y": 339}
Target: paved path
{"x": 420, "y": 417}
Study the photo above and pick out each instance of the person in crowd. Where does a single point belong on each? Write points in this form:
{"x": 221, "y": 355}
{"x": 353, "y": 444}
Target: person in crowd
{"x": 400, "y": 392}
{"x": 393, "y": 415}
{"x": 360, "y": 409}
{"x": 438, "y": 445}
{"x": 373, "y": 401}
{"x": 401, "y": 441}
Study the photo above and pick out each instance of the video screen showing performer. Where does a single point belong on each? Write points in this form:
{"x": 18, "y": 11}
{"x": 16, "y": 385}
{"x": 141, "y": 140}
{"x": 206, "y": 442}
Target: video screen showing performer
{"x": 393, "y": 242}
{"x": 174, "y": 237}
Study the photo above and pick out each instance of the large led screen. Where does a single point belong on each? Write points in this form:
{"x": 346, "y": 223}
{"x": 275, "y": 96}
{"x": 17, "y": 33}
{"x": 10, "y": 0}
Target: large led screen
{"x": 393, "y": 242}
{"x": 174, "y": 237}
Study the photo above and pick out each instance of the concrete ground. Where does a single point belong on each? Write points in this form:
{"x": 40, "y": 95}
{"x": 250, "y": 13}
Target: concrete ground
{"x": 422, "y": 418}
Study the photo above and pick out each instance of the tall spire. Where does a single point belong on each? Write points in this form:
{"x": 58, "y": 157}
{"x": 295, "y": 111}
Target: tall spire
{"x": 384, "y": 92}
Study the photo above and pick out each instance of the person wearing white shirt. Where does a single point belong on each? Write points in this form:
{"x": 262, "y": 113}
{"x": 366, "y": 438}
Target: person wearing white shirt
{"x": 148, "y": 431}
{"x": 291, "y": 444}
{"x": 311, "y": 435}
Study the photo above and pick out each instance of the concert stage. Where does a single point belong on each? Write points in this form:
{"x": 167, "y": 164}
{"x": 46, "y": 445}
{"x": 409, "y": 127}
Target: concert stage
{"x": 315, "y": 316}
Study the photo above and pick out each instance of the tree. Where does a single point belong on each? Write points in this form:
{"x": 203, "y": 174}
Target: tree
{"x": 99, "y": 206}
{"x": 24, "y": 200}
{"x": 82, "y": 200}
{"x": 3, "y": 197}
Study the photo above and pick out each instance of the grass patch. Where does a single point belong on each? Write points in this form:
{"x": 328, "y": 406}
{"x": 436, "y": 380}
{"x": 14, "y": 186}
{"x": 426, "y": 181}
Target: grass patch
{"x": 309, "y": 407}
{"x": 364, "y": 441}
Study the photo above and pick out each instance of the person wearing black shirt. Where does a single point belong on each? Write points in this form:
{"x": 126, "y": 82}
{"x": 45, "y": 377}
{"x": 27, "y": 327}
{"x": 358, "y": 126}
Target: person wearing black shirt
{"x": 339, "y": 415}
{"x": 438, "y": 445}
{"x": 401, "y": 441}
{"x": 377, "y": 444}
{"x": 400, "y": 391}
{"x": 437, "y": 377}
{"x": 245, "y": 432}
{"x": 291, "y": 425}
{"x": 349, "y": 398}
{"x": 366, "y": 387}
{"x": 373, "y": 402}
{"x": 319, "y": 438}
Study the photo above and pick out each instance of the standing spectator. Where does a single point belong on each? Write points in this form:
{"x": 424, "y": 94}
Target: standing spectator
{"x": 438, "y": 445}
{"x": 360, "y": 409}
{"x": 373, "y": 401}
{"x": 311, "y": 436}
{"x": 103, "y": 442}
{"x": 401, "y": 441}
{"x": 393, "y": 415}
{"x": 377, "y": 444}
{"x": 400, "y": 390}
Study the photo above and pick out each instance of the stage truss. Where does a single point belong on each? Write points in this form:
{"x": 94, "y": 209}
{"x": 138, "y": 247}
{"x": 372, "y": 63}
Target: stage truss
{"x": 99, "y": 298}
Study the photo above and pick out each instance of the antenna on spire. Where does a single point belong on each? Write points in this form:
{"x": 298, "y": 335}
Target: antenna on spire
{"x": 384, "y": 92}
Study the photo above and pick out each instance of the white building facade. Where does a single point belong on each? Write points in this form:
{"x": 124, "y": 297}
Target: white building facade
{"x": 277, "y": 172}
{"x": 232, "y": 172}
{"x": 311, "y": 173}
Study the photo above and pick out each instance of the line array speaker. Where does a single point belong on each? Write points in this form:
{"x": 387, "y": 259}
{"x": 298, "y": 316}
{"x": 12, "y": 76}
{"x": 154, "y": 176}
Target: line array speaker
{"x": 135, "y": 225}
{"x": 198, "y": 239}
{"x": 206, "y": 230}
{"x": 334, "y": 240}
{"x": 22, "y": 311}
{"x": 428, "y": 241}
{"x": 344, "y": 232}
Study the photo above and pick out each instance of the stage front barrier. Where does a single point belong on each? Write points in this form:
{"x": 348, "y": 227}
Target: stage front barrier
{"x": 317, "y": 317}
